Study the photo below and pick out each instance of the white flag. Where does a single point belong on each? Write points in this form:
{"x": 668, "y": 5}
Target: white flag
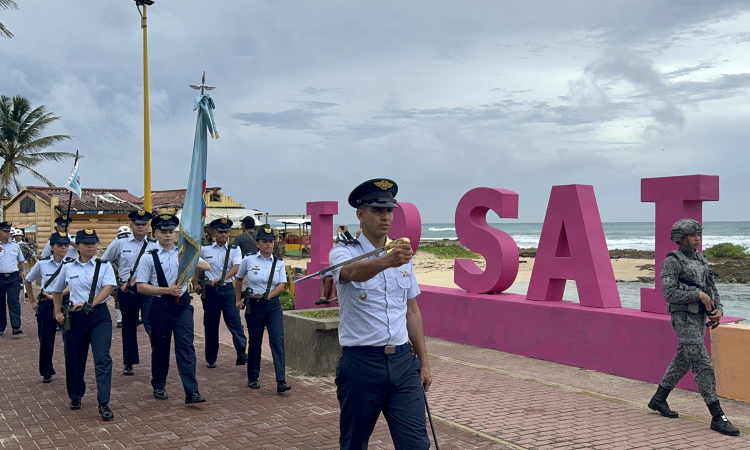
{"x": 74, "y": 182}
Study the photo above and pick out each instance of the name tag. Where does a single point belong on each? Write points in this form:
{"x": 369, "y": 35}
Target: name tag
{"x": 209, "y": 257}
{"x": 126, "y": 251}
{"x": 73, "y": 277}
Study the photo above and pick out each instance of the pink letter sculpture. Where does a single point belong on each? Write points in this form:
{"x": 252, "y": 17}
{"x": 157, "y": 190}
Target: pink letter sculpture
{"x": 676, "y": 198}
{"x": 573, "y": 247}
{"x": 498, "y": 248}
{"x": 406, "y": 223}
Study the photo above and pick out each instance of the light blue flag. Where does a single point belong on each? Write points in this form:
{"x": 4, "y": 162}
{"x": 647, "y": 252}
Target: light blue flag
{"x": 74, "y": 182}
{"x": 194, "y": 208}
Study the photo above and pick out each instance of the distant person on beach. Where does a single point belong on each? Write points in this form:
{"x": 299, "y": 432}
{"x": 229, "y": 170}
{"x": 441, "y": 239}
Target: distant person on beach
{"x": 246, "y": 240}
{"x": 380, "y": 317}
{"x": 691, "y": 295}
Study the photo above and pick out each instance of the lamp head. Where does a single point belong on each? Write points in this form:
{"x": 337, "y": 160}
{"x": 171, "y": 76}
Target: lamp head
{"x": 144, "y": 2}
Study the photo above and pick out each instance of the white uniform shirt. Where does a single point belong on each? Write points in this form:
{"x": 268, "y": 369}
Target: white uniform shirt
{"x": 44, "y": 269}
{"x": 79, "y": 277}
{"x": 257, "y": 270}
{"x": 124, "y": 253}
{"x": 72, "y": 250}
{"x": 170, "y": 264}
{"x": 10, "y": 256}
{"x": 216, "y": 256}
{"x": 373, "y": 312}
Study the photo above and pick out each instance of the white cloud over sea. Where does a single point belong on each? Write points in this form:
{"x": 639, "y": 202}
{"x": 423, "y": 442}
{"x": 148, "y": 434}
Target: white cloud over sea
{"x": 315, "y": 97}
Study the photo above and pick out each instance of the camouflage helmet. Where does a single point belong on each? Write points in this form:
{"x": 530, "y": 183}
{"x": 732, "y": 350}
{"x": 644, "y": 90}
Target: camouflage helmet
{"x": 684, "y": 227}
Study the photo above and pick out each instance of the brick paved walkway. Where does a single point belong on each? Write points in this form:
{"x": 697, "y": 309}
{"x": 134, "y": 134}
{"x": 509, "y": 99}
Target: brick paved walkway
{"x": 481, "y": 399}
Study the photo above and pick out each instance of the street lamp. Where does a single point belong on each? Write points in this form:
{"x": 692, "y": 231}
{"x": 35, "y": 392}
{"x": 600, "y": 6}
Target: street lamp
{"x": 141, "y": 5}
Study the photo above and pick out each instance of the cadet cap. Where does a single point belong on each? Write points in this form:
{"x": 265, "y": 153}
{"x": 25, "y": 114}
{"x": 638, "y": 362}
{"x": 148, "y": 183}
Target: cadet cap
{"x": 265, "y": 233}
{"x": 6, "y": 226}
{"x": 63, "y": 219}
{"x": 223, "y": 224}
{"x": 86, "y": 237}
{"x": 140, "y": 217}
{"x": 59, "y": 238}
{"x": 377, "y": 193}
{"x": 165, "y": 222}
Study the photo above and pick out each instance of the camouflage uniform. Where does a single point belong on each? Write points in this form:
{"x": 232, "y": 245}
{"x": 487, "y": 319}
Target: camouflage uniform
{"x": 682, "y": 272}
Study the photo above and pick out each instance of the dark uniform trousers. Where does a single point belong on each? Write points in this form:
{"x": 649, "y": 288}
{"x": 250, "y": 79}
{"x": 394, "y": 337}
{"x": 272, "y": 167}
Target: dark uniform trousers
{"x": 220, "y": 300}
{"x": 266, "y": 314}
{"x": 168, "y": 318}
{"x": 95, "y": 329}
{"x": 133, "y": 305}
{"x": 47, "y": 331}
{"x": 10, "y": 286}
{"x": 370, "y": 382}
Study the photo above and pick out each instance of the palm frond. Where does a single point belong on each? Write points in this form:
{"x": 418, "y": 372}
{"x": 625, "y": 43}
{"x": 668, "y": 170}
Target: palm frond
{"x": 8, "y": 4}
{"x": 47, "y": 141}
{"x": 39, "y": 176}
{"x": 4, "y": 32}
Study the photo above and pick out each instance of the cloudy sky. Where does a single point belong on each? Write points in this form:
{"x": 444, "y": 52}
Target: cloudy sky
{"x": 442, "y": 96}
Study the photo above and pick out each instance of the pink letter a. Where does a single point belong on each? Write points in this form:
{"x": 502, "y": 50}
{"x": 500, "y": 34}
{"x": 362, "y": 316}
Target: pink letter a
{"x": 573, "y": 247}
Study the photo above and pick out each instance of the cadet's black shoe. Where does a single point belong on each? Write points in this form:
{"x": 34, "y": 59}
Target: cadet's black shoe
{"x": 659, "y": 403}
{"x": 128, "y": 370}
{"x": 322, "y": 301}
{"x": 47, "y": 379}
{"x": 253, "y": 384}
{"x": 194, "y": 397}
{"x": 106, "y": 413}
{"x": 160, "y": 394}
{"x": 119, "y": 324}
{"x": 2, "y": 332}
{"x": 241, "y": 360}
{"x": 211, "y": 365}
{"x": 75, "y": 403}
{"x": 16, "y": 331}
{"x": 720, "y": 422}
{"x": 281, "y": 386}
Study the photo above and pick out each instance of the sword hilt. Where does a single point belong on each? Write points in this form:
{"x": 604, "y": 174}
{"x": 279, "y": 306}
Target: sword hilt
{"x": 390, "y": 245}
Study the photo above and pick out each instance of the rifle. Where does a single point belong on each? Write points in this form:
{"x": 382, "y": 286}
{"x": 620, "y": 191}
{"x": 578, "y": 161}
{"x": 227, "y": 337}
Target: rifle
{"x": 202, "y": 280}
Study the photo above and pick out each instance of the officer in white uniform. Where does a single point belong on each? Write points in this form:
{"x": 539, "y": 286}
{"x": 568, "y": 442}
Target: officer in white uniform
{"x": 61, "y": 225}
{"x": 219, "y": 296}
{"x": 264, "y": 307}
{"x": 11, "y": 263}
{"x": 127, "y": 253}
{"x": 91, "y": 323}
{"x": 377, "y": 371}
{"x": 48, "y": 269}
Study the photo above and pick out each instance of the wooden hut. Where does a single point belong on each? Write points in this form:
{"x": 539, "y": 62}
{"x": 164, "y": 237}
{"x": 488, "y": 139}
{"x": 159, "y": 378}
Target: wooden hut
{"x": 104, "y": 210}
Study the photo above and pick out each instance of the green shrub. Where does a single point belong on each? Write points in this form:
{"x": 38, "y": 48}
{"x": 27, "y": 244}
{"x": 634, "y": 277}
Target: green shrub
{"x": 287, "y": 300}
{"x": 321, "y": 313}
{"x": 449, "y": 252}
{"x": 726, "y": 250}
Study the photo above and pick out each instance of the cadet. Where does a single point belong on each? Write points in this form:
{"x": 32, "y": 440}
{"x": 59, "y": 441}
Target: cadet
{"x": 170, "y": 311}
{"x": 122, "y": 233}
{"x": 266, "y": 278}
{"x": 219, "y": 297}
{"x": 379, "y": 316}
{"x": 691, "y": 295}
{"x": 61, "y": 225}
{"x": 91, "y": 282}
{"x": 11, "y": 260}
{"x": 48, "y": 269}
{"x": 127, "y": 253}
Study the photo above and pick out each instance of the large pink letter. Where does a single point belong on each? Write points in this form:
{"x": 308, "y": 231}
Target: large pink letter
{"x": 407, "y": 223}
{"x": 321, "y": 241}
{"x": 676, "y": 198}
{"x": 498, "y": 248}
{"x": 573, "y": 247}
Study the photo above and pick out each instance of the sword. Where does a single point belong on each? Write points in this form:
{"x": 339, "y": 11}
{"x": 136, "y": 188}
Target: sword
{"x": 386, "y": 248}
{"x": 432, "y": 425}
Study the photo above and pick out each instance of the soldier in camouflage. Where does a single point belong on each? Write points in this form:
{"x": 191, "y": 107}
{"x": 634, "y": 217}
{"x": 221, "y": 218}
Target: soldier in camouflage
{"x": 689, "y": 288}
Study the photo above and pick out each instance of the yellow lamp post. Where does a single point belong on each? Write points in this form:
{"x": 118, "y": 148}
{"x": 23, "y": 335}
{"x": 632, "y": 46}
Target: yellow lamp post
{"x": 141, "y": 5}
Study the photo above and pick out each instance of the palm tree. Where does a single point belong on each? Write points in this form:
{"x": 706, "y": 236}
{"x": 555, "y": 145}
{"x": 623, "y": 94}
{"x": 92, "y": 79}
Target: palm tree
{"x": 6, "y": 4}
{"x": 21, "y": 143}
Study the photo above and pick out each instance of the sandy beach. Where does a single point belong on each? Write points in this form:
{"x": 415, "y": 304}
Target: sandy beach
{"x": 435, "y": 271}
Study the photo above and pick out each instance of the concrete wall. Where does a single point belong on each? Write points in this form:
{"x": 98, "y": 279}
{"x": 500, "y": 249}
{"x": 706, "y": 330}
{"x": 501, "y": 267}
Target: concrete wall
{"x": 312, "y": 345}
{"x": 730, "y": 348}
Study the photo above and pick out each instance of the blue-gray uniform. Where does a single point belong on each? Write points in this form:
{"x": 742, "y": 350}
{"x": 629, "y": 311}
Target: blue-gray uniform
{"x": 220, "y": 298}
{"x": 124, "y": 253}
{"x": 264, "y": 313}
{"x": 93, "y": 328}
{"x": 72, "y": 250}
{"x": 377, "y": 371}
{"x": 45, "y": 269}
{"x": 10, "y": 282}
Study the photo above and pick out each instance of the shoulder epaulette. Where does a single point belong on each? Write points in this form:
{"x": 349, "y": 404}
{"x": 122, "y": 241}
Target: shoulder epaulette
{"x": 67, "y": 259}
{"x": 45, "y": 258}
{"x": 99, "y": 260}
{"x": 278, "y": 259}
{"x": 153, "y": 250}
{"x": 150, "y": 239}
{"x": 207, "y": 245}
{"x": 349, "y": 241}
{"x": 122, "y": 236}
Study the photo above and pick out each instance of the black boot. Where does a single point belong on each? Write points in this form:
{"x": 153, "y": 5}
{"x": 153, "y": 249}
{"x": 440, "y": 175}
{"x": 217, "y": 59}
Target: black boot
{"x": 720, "y": 422}
{"x": 659, "y": 403}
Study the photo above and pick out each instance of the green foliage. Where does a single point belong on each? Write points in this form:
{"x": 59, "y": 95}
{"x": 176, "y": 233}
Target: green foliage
{"x": 322, "y": 313}
{"x": 449, "y": 252}
{"x": 287, "y": 300}
{"x": 22, "y": 143}
{"x": 726, "y": 250}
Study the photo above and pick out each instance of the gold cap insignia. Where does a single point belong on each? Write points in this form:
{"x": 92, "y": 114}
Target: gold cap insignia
{"x": 89, "y": 232}
{"x": 141, "y": 212}
{"x": 63, "y": 234}
{"x": 223, "y": 220}
{"x": 384, "y": 185}
{"x": 64, "y": 217}
{"x": 165, "y": 217}
{"x": 267, "y": 229}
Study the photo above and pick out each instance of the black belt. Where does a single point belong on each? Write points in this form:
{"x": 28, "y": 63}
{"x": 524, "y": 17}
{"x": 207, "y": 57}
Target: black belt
{"x": 386, "y": 349}
{"x": 221, "y": 284}
{"x": 6, "y": 275}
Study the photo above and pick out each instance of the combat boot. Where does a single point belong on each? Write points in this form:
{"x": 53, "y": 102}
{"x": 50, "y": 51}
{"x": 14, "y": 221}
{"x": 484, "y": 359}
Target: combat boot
{"x": 720, "y": 422}
{"x": 659, "y": 403}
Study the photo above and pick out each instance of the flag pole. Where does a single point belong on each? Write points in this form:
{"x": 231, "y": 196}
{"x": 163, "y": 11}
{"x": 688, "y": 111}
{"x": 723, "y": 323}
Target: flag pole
{"x": 70, "y": 199}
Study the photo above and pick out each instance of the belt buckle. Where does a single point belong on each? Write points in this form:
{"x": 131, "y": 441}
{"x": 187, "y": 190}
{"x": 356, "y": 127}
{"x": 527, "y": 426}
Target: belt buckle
{"x": 390, "y": 349}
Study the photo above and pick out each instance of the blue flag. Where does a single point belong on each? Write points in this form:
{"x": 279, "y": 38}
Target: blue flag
{"x": 194, "y": 208}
